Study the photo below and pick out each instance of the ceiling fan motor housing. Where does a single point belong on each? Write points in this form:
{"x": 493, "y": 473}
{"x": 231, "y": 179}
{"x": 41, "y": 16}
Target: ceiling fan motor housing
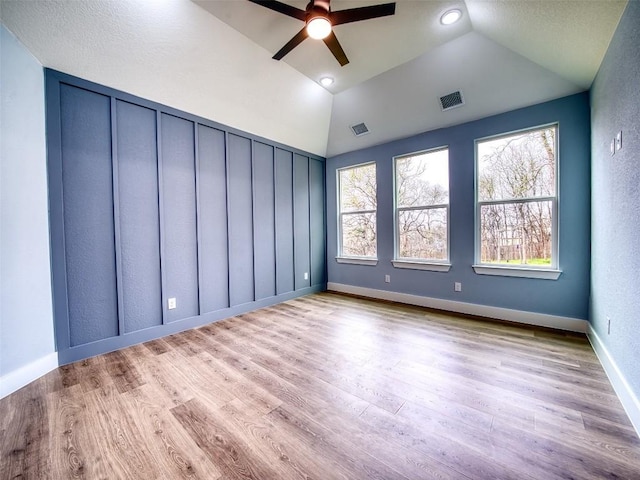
{"x": 320, "y": 11}
{"x": 320, "y": 6}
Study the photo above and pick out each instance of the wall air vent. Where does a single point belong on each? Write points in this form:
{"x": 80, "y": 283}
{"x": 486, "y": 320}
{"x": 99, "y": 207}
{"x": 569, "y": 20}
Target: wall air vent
{"x": 359, "y": 129}
{"x": 451, "y": 100}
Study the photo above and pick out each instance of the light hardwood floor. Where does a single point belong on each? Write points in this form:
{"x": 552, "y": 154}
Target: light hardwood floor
{"x": 327, "y": 387}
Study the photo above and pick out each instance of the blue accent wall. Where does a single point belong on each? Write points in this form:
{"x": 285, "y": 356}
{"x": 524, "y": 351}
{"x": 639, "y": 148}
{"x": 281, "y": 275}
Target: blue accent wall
{"x": 264, "y": 220}
{"x": 85, "y": 133}
{"x": 149, "y": 203}
{"x": 301, "y": 221}
{"x": 568, "y": 296}
{"x": 241, "y": 286}
{"x": 139, "y": 225}
{"x": 284, "y": 221}
{"x": 615, "y": 263}
{"x": 212, "y": 222}
{"x": 178, "y": 216}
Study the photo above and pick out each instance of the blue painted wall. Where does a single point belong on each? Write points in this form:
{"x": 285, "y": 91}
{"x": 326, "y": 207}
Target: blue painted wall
{"x": 615, "y": 263}
{"x": 568, "y": 296}
{"x": 149, "y": 203}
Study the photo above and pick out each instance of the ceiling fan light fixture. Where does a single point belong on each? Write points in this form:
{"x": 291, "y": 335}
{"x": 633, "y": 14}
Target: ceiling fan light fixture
{"x": 319, "y": 20}
{"x": 451, "y": 16}
{"x": 319, "y": 27}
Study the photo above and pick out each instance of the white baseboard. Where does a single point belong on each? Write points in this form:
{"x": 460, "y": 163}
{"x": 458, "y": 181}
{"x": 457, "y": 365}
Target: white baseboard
{"x": 519, "y": 316}
{"x": 626, "y": 395}
{"x": 17, "y": 379}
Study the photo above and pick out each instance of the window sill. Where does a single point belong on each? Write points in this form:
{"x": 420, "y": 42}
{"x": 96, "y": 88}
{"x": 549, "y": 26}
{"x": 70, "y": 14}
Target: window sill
{"x": 357, "y": 260}
{"x": 430, "y": 266}
{"x": 545, "y": 274}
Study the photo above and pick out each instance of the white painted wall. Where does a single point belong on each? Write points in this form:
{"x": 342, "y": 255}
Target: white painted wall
{"x": 26, "y": 318}
{"x": 178, "y": 54}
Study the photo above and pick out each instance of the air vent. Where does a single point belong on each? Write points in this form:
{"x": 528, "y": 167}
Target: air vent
{"x": 359, "y": 129}
{"x": 452, "y": 100}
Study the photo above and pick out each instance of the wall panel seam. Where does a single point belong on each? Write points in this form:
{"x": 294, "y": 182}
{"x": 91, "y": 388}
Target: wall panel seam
{"x": 253, "y": 213}
{"x": 163, "y": 273}
{"x": 56, "y": 212}
{"x": 196, "y": 166}
{"x": 116, "y": 217}
{"x": 227, "y": 184}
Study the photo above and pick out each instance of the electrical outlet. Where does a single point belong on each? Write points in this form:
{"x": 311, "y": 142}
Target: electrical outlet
{"x": 619, "y": 141}
{"x": 612, "y": 147}
{"x": 608, "y": 326}
{"x": 306, "y": 275}
{"x": 171, "y": 303}
{"x": 457, "y": 286}
{"x": 387, "y": 278}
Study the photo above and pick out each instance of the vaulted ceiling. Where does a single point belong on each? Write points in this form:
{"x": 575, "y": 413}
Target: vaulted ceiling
{"x": 213, "y": 58}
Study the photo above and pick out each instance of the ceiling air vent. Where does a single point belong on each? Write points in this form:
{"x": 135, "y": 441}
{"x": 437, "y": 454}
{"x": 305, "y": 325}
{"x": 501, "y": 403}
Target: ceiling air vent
{"x": 451, "y": 100}
{"x": 359, "y": 129}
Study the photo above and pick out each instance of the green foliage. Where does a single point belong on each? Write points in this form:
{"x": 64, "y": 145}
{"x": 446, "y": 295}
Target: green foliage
{"x": 530, "y": 261}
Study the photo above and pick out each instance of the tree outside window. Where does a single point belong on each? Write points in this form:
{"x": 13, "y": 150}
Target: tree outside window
{"x": 357, "y": 206}
{"x": 422, "y": 206}
{"x": 517, "y": 198}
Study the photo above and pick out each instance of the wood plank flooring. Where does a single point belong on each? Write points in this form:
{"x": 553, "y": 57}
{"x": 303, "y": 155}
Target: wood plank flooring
{"x": 327, "y": 387}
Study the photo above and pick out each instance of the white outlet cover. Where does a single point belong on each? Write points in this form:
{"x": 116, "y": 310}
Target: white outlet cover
{"x": 171, "y": 303}
{"x": 612, "y": 147}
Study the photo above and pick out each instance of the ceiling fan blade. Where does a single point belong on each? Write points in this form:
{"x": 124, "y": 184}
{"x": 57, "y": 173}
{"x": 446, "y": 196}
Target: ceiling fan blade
{"x": 282, "y": 8}
{"x": 291, "y": 44}
{"x": 362, "y": 13}
{"x": 332, "y": 42}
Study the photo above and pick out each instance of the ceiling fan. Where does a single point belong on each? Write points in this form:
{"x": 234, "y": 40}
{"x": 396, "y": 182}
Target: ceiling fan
{"x": 319, "y": 22}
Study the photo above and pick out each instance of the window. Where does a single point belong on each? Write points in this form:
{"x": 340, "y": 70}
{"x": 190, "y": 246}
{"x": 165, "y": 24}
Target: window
{"x": 422, "y": 210}
{"x": 357, "y": 204}
{"x": 516, "y": 189}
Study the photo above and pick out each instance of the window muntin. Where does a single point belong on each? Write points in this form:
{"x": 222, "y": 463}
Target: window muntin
{"x": 516, "y": 189}
{"x": 422, "y": 206}
{"x": 357, "y": 210}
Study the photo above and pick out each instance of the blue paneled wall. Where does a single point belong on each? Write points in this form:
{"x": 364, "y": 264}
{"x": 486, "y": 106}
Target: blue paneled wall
{"x": 149, "y": 203}
{"x": 566, "y": 297}
{"x": 615, "y": 263}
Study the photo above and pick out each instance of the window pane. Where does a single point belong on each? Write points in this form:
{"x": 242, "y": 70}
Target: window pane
{"x": 423, "y": 234}
{"x": 517, "y": 233}
{"x": 358, "y": 188}
{"x": 423, "y": 179}
{"x": 359, "y": 234}
{"x": 517, "y": 166}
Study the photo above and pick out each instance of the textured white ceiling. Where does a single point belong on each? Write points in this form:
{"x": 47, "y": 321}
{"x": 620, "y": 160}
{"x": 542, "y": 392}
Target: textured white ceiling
{"x": 175, "y": 53}
{"x": 216, "y": 61}
{"x": 569, "y": 37}
{"x": 503, "y": 54}
{"x": 372, "y": 46}
{"x": 405, "y": 100}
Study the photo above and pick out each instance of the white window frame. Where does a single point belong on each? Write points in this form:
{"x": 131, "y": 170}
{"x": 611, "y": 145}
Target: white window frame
{"x": 433, "y": 265}
{"x": 350, "y": 259}
{"x": 551, "y": 272}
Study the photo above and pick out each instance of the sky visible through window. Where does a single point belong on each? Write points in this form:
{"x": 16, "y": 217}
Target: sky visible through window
{"x": 432, "y": 168}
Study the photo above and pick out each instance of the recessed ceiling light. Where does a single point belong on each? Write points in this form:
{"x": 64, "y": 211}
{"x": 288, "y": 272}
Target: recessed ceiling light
{"x": 450, "y": 16}
{"x": 326, "y": 81}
